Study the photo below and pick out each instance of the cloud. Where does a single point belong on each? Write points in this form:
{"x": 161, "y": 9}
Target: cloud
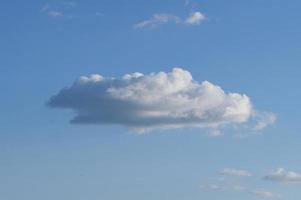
{"x": 215, "y": 133}
{"x": 186, "y": 2}
{"x": 59, "y": 9}
{"x": 264, "y": 194}
{"x": 222, "y": 187}
{"x": 282, "y": 175}
{"x": 194, "y": 18}
{"x": 45, "y": 8}
{"x": 264, "y": 119}
{"x": 69, "y": 4}
{"x": 211, "y": 187}
{"x": 156, "y": 100}
{"x": 157, "y": 20}
{"x": 237, "y": 188}
{"x": 53, "y": 13}
{"x": 235, "y": 172}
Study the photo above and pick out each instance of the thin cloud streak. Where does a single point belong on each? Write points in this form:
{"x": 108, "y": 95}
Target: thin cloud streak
{"x": 235, "y": 172}
{"x": 195, "y": 18}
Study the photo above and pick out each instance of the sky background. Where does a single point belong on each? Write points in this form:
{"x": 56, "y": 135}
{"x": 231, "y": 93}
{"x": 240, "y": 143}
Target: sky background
{"x": 249, "y": 47}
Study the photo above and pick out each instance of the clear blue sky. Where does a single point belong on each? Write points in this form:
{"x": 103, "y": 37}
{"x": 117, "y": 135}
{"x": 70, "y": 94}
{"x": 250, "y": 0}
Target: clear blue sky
{"x": 249, "y": 47}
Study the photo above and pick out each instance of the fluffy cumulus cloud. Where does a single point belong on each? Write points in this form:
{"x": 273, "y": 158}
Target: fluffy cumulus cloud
{"x": 235, "y": 172}
{"x": 282, "y": 175}
{"x": 156, "y": 100}
{"x": 194, "y": 18}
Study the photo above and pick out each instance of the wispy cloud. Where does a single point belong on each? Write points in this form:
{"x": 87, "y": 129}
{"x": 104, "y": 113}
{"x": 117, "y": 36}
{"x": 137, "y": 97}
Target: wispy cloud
{"x": 59, "y": 9}
{"x": 284, "y": 176}
{"x": 264, "y": 119}
{"x": 69, "y": 4}
{"x": 265, "y": 194}
{"x": 98, "y": 14}
{"x": 223, "y": 187}
{"x": 158, "y": 19}
{"x": 194, "y": 18}
{"x": 225, "y": 184}
{"x": 237, "y": 188}
{"x": 235, "y": 172}
{"x": 51, "y": 11}
{"x": 186, "y": 2}
{"x": 54, "y": 13}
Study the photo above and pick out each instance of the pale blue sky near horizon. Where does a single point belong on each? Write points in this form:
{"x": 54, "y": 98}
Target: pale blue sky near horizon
{"x": 250, "y": 47}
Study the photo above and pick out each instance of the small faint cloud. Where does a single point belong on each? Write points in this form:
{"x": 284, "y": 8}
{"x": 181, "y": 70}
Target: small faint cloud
{"x": 65, "y": 10}
{"x": 194, "y": 18}
{"x": 264, "y": 194}
{"x": 235, "y": 172}
{"x": 284, "y": 176}
{"x": 158, "y": 19}
{"x": 237, "y": 188}
{"x": 215, "y": 133}
{"x": 54, "y": 13}
{"x": 69, "y": 4}
{"x": 225, "y": 185}
{"x": 264, "y": 119}
{"x": 45, "y": 8}
{"x": 59, "y": 9}
{"x": 222, "y": 187}
{"x": 186, "y": 2}
{"x": 98, "y": 14}
{"x": 211, "y": 187}
{"x": 190, "y": 4}
{"x": 50, "y": 11}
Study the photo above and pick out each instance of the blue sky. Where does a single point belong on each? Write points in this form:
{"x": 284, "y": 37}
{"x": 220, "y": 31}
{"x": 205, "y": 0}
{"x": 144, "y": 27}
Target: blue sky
{"x": 246, "y": 47}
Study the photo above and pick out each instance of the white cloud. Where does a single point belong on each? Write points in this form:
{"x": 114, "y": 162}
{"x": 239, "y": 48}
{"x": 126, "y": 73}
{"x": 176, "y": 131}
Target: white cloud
{"x": 54, "y": 13}
{"x": 51, "y": 12}
{"x": 58, "y": 9}
{"x": 215, "y": 133}
{"x": 282, "y": 175}
{"x": 235, "y": 172}
{"x": 69, "y": 4}
{"x": 237, "y": 188}
{"x": 223, "y": 187}
{"x": 194, "y": 18}
{"x": 157, "y": 100}
{"x": 264, "y": 194}
{"x": 45, "y": 8}
{"x": 157, "y": 20}
{"x": 211, "y": 187}
{"x": 264, "y": 119}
